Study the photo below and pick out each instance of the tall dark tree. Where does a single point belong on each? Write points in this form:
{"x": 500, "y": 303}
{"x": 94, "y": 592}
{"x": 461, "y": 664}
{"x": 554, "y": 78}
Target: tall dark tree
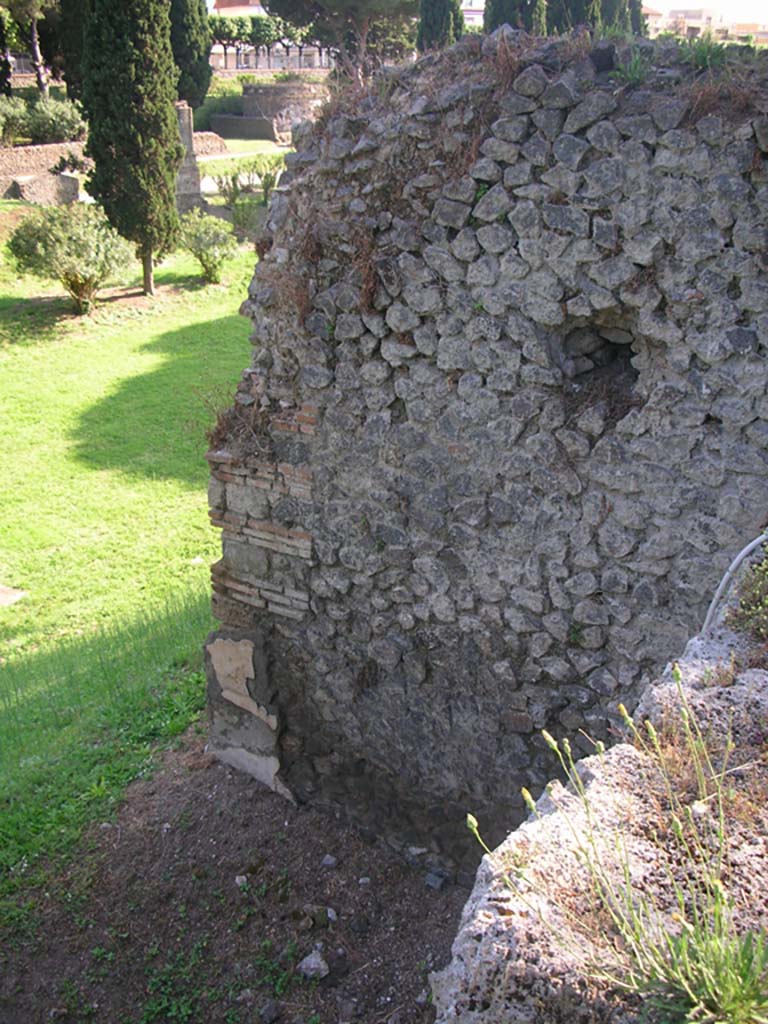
{"x": 615, "y": 15}
{"x": 191, "y": 44}
{"x": 129, "y": 88}
{"x": 539, "y": 18}
{"x": 435, "y": 25}
{"x": 5, "y": 64}
{"x": 594, "y": 15}
{"x": 636, "y": 18}
{"x": 457, "y": 19}
{"x": 517, "y": 13}
{"x": 72, "y": 20}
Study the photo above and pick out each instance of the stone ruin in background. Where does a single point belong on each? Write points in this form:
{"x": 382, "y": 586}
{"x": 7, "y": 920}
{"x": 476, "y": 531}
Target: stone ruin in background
{"x": 505, "y": 425}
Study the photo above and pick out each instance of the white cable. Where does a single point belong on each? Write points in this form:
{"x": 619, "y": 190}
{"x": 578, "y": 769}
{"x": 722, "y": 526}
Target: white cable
{"x": 729, "y": 576}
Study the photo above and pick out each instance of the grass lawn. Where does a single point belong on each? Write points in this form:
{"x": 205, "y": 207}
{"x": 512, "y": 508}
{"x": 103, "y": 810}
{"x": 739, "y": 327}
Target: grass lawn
{"x": 237, "y": 159}
{"x": 104, "y": 528}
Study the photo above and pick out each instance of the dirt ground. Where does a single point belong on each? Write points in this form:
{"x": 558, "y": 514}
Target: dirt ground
{"x": 201, "y": 899}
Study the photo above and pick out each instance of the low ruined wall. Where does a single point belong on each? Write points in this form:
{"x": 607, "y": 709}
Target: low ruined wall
{"x": 271, "y": 110}
{"x": 504, "y": 426}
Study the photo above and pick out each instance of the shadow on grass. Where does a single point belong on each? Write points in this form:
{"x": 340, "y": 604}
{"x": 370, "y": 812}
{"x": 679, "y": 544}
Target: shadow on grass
{"x": 79, "y": 720}
{"x": 154, "y": 424}
{"x": 29, "y": 321}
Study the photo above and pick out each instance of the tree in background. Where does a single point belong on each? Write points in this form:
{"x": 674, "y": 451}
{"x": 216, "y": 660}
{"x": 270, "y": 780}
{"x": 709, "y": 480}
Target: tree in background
{"x": 264, "y": 33}
{"x": 229, "y": 33}
{"x": 28, "y": 14}
{"x": 594, "y": 15}
{"x": 390, "y": 40}
{"x": 539, "y": 18}
{"x": 72, "y": 18}
{"x": 636, "y": 19}
{"x": 435, "y": 25}
{"x": 616, "y": 15}
{"x": 346, "y": 24}
{"x": 517, "y": 13}
{"x": 457, "y": 19}
{"x": 5, "y": 64}
{"x": 191, "y": 45}
{"x": 129, "y": 87}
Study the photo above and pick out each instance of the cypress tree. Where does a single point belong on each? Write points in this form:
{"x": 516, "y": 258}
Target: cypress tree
{"x": 503, "y": 12}
{"x": 191, "y": 45}
{"x": 5, "y": 64}
{"x": 636, "y": 18}
{"x": 73, "y": 16}
{"x": 539, "y": 26}
{"x": 594, "y": 15}
{"x": 129, "y": 88}
{"x": 435, "y": 25}
{"x": 457, "y": 20}
{"x": 615, "y": 15}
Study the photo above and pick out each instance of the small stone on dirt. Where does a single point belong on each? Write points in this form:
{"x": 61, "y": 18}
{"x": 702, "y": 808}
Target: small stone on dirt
{"x": 313, "y": 967}
{"x": 328, "y": 861}
{"x": 269, "y": 1012}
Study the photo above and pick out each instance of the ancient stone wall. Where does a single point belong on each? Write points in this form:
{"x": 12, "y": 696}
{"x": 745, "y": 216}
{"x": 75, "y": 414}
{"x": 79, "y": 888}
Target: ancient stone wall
{"x": 504, "y": 426}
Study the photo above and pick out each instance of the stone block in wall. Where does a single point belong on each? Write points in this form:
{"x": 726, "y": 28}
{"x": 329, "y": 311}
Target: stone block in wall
{"x": 243, "y": 732}
{"x": 44, "y": 189}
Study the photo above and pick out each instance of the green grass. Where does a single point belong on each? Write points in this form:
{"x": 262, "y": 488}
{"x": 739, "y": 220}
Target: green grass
{"x": 214, "y": 165}
{"x": 105, "y": 527}
{"x": 247, "y": 147}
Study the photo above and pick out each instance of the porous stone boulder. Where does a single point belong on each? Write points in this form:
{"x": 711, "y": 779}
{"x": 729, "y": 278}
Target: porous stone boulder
{"x": 534, "y": 940}
{"x": 505, "y": 424}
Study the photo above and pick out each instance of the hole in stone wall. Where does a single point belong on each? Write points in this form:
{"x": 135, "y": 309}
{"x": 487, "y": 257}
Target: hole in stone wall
{"x": 596, "y": 363}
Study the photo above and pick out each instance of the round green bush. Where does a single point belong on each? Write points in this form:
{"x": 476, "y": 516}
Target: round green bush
{"x": 51, "y": 120}
{"x": 13, "y": 119}
{"x": 75, "y": 245}
{"x": 209, "y": 240}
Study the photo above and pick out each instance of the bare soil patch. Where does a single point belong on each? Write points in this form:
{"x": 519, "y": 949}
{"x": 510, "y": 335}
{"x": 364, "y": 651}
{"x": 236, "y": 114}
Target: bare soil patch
{"x": 198, "y": 902}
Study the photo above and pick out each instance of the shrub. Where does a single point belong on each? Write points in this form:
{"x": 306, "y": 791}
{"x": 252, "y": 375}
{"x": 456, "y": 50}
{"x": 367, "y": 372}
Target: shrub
{"x": 51, "y": 120}
{"x": 229, "y": 186}
{"x": 75, "y": 245}
{"x": 751, "y": 614}
{"x": 247, "y": 215}
{"x": 703, "y": 53}
{"x": 258, "y": 174}
{"x": 209, "y": 240}
{"x": 268, "y": 168}
{"x": 13, "y": 117}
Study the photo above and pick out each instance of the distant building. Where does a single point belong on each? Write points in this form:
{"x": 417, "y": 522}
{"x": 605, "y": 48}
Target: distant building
{"x": 238, "y": 8}
{"x": 693, "y": 22}
{"x": 473, "y": 12}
